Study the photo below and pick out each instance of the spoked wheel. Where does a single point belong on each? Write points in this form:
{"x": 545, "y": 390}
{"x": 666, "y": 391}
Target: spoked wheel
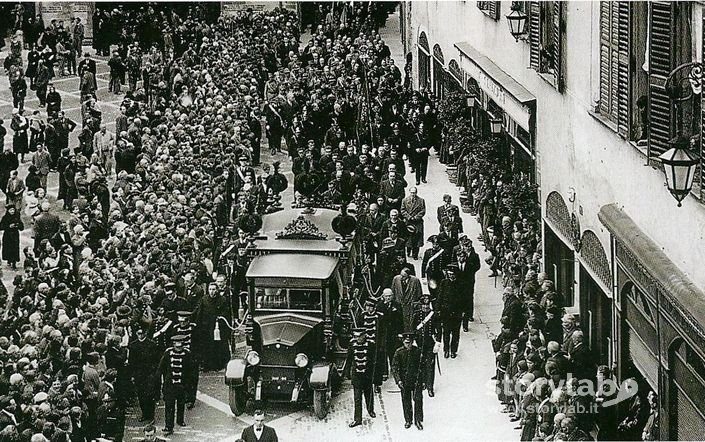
{"x": 321, "y": 402}
{"x": 237, "y": 399}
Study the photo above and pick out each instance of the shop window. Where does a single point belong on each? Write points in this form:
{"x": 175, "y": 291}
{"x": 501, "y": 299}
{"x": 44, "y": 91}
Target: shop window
{"x": 546, "y": 40}
{"x": 490, "y": 9}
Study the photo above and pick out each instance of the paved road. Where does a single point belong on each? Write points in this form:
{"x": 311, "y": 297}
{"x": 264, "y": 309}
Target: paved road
{"x": 465, "y": 407}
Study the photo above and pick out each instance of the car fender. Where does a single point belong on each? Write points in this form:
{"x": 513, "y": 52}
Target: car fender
{"x": 235, "y": 372}
{"x": 320, "y": 374}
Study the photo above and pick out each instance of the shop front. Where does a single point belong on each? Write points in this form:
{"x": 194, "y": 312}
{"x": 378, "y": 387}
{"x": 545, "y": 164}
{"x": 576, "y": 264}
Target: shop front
{"x": 595, "y": 290}
{"x": 559, "y": 248}
{"x": 661, "y": 326}
{"x": 500, "y": 98}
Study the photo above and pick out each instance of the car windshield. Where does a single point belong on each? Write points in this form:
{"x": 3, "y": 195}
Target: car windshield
{"x": 288, "y": 299}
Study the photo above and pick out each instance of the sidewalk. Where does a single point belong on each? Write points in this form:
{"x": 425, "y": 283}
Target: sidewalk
{"x": 465, "y": 406}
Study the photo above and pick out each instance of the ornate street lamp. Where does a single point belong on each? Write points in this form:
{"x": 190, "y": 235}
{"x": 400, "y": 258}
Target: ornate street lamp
{"x": 517, "y": 21}
{"x": 679, "y": 163}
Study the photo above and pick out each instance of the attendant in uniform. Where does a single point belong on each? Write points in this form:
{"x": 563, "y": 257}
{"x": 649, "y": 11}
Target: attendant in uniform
{"x": 428, "y": 334}
{"x": 406, "y": 369}
{"x": 175, "y": 370}
{"x": 370, "y": 320}
{"x": 434, "y": 262}
{"x": 186, "y": 328}
{"x": 389, "y": 328}
{"x": 361, "y": 367}
{"x": 450, "y": 308}
{"x": 143, "y": 367}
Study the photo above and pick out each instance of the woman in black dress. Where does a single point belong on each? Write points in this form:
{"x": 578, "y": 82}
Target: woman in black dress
{"x": 11, "y": 225}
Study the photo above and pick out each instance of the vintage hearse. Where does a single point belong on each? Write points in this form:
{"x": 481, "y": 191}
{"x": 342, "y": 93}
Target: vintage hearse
{"x": 298, "y": 325}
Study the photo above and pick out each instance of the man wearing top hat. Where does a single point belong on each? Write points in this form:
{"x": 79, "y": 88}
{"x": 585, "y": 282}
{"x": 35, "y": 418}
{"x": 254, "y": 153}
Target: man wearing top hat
{"x": 184, "y": 327}
{"x": 428, "y": 333}
{"x": 174, "y": 373}
{"x": 361, "y": 358}
{"x": 406, "y": 369}
{"x": 450, "y": 306}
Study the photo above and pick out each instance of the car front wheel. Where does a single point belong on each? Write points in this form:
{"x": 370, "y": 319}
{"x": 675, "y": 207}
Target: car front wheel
{"x": 321, "y": 404}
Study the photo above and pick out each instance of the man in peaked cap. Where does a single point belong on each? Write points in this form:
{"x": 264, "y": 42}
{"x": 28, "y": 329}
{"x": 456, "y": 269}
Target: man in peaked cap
{"x": 174, "y": 372}
{"x": 450, "y": 306}
{"x": 428, "y": 334}
{"x": 187, "y": 329}
{"x": 434, "y": 262}
{"x": 361, "y": 357}
{"x": 142, "y": 362}
{"x": 406, "y": 369}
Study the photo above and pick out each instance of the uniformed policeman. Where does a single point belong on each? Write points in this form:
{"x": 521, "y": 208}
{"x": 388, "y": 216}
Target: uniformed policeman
{"x": 361, "y": 366}
{"x": 186, "y": 328}
{"x": 174, "y": 371}
{"x": 428, "y": 334}
{"x": 434, "y": 261}
{"x": 406, "y": 369}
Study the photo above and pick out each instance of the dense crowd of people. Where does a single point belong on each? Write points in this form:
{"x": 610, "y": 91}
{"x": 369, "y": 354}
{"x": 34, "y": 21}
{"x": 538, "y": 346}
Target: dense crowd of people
{"x": 119, "y": 298}
{"x": 542, "y": 355}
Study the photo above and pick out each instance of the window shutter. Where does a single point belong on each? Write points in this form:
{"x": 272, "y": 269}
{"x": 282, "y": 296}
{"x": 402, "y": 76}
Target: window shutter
{"x": 623, "y": 13}
{"x": 556, "y": 42}
{"x": 608, "y": 65}
{"x": 534, "y": 34}
{"x": 661, "y": 60}
{"x": 493, "y": 10}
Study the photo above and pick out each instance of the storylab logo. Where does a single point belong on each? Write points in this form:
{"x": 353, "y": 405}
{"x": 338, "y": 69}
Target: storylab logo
{"x": 606, "y": 392}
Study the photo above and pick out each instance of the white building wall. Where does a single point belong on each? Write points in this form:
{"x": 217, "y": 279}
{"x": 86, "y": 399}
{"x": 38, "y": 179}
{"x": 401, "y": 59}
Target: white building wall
{"x": 574, "y": 148}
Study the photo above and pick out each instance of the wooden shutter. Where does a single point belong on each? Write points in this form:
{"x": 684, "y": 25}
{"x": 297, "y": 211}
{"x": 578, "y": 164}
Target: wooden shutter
{"x": 623, "y": 13}
{"x": 534, "y": 35}
{"x": 556, "y": 42}
{"x": 493, "y": 10}
{"x": 608, "y": 60}
{"x": 661, "y": 62}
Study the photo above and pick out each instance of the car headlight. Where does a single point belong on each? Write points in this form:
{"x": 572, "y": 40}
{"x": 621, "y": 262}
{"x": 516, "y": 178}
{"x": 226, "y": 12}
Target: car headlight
{"x": 301, "y": 360}
{"x": 252, "y": 358}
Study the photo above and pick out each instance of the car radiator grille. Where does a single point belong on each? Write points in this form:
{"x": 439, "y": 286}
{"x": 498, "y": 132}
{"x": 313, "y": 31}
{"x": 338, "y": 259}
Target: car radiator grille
{"x": 283, "y": 356}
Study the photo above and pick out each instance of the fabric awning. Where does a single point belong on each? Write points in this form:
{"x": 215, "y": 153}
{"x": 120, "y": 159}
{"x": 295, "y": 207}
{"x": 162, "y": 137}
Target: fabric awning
{"x": 292, "y": 265}
{"x": 688, "y": 297}
{"x": 504, "y": 90}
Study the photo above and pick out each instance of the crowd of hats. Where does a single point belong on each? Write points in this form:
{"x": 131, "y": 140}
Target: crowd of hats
{"x": 159, "y": 228}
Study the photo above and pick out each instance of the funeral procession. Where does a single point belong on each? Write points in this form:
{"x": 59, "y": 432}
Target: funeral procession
{"x": 425, "y": 220}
